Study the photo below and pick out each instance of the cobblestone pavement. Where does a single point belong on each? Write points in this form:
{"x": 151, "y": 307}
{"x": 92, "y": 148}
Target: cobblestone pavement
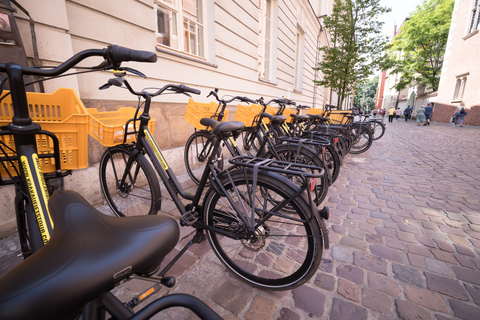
{"x": 404, "y": 233}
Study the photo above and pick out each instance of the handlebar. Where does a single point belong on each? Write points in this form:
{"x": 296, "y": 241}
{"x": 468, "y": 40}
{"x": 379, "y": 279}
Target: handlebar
{"x": 223, "y": 101}
{"x": 115, "y": 55}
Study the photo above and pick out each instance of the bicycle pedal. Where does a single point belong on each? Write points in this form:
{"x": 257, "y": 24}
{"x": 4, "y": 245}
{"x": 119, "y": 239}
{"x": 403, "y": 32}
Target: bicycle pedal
{"x": 188, "y": 219}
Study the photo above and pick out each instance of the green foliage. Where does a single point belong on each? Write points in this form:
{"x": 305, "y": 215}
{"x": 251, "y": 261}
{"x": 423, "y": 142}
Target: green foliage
{"x": 366, "y": 93}
{"x": 418, "y": 49}
{"x": 357, "y": 45}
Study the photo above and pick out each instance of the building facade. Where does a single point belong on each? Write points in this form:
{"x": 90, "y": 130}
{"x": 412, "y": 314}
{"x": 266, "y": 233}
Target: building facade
{"x": 253, "y": 48}
{"x": 460, "y": 79}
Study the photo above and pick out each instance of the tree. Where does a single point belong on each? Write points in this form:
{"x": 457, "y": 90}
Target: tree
{"x": 357, "y": 45}
{"x": 417, "y": 51}
{"x": 366, "y": 93}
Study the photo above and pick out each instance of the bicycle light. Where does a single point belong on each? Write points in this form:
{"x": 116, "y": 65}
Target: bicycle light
{"x": 324, "y": 213}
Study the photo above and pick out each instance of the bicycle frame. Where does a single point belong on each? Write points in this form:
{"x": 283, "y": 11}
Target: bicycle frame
{"x": 146, "y": 141}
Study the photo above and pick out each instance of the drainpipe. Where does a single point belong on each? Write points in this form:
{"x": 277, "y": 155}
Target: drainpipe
{"x": 317, "y": 59}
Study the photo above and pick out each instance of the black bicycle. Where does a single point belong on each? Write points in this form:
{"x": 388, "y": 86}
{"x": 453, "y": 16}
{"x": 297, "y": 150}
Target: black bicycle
{"x": 87, "y": 254}
{"x": 262, "y": 226}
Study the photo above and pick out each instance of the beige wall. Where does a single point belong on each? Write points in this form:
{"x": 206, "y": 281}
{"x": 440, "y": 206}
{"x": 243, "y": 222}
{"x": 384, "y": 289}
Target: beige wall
{"x": 461, "y": 57}
{"x": 65, "y": 27}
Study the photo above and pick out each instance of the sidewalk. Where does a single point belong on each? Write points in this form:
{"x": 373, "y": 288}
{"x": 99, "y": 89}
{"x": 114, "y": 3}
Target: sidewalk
{"x": 404, "y": 234}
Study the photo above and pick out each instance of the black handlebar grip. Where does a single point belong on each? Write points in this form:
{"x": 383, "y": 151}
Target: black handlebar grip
{"x": 184, "y": 88}
{"x": 119, "y": 54}
{"x": 249, "y": 100}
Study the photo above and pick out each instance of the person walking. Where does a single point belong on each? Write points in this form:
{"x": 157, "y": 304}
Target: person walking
{"x": 407, "y": 112}
{"x": 391, "y": 114}
{"x": 420, "y": 116}
{"x": 360, "y": 113}
{"x": 398, "y": 112}
{"x": 428, "y": 114}
{"x": 460, "y": 114}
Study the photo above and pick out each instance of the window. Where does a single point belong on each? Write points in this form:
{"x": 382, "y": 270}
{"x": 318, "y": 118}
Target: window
{"x": 298, "y": 78}
{"x": 474, "y": 21}
{"x": 266, "y": 40}
{"x": 173, "y": 15}
{"x": 459, "y": 88}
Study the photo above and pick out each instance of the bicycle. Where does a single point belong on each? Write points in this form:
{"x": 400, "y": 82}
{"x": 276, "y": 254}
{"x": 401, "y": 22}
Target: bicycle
{"x": 87, "y": 253}
{"x": 199, "y": 145}
{"x": 284, "y": 149}
{"x": 249, "y": 213}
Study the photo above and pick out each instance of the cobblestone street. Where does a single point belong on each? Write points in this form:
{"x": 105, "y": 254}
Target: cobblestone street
{"x": 404, "y": 239}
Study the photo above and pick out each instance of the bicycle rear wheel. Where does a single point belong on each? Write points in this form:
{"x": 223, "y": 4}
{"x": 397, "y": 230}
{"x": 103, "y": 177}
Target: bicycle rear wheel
{"x": 140, "y": 194}
{"x": 289, "y": 153}
{"x": 284, "y": 250}
{"x": 198, "y": 149}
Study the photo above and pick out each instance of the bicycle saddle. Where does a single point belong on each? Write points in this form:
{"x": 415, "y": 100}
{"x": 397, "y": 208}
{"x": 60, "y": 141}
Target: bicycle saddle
{"x": 219, "y": 126}
{"x": 87, "y": 255}
{"x": 274, "y": 118}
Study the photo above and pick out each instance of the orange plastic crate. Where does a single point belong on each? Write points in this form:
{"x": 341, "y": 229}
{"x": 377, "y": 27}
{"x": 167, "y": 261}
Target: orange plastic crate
{"x": 109, "y": 127}
{"x": 197, "y": 110}
{"x": 315, "y": 111}
{"x": 338, "y": 116}
{"x": 287, "y": 113}
{"x": 61, "y": 112}
{"x": 247, "y": 114}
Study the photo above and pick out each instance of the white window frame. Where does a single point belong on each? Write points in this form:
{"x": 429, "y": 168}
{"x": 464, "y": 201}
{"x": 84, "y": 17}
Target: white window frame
{"x": 268, "y": 42}
{"x": 190, "y": 35}
{"x": 460, "y": 84}
{"x": 474, "y": 17}
{"x": 299, "y": 54}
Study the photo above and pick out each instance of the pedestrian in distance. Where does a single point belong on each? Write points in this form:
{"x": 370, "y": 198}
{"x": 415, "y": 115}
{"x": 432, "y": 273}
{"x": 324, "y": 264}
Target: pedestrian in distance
{"x": 460, "y": 114}
{"x": 391, "y": 114}
{"x": 360, "y": 113}
{"x": 407, "y": 112}
{"x": 428, "y": 114}
{"x": 420, "y": 116}
{"x": 398, "y": 112}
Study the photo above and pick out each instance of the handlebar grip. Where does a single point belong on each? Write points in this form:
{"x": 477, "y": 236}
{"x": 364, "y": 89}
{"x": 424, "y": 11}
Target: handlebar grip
{"x": 119, "y": 54}
{"x": 245, "y": 99}
{"x": 287, "y": 101}
{"x": 184, "y": 88}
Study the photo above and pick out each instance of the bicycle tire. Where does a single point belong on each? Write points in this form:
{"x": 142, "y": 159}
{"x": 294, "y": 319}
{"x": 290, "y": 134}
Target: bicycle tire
{"x": 198, "y": 148}
{"x": 251, "y": 139}
{"x": 141, "y": 195}
{"x": 363, "y": 139}
{"x": 378, "y": 130}
{"x": 334, "y": 162}
{"x": 304, "y": 156}
{"x": 273, "y": 258}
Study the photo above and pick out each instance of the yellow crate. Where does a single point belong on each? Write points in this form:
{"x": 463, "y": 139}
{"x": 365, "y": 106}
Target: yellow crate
{"x": 315, "y": 111}
{"x": 109, "y": 127}
{"x": 247, "y": 114}
{"x": 61, "y": 112}
{"x": 287, "y": 113}
{"x": 197, "y": 110}
{"x": 338, "y": 116}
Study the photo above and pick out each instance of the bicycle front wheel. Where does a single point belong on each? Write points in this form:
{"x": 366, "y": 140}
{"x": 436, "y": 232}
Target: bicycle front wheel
{"x": 197, "y": 151}
{"x": 285, "y": 248}
{"x": 140, "y": 194}
{"x": 378, "y": 130}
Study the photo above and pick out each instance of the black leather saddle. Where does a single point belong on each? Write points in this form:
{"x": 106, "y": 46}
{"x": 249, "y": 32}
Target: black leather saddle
{"x": 87, "y": 255}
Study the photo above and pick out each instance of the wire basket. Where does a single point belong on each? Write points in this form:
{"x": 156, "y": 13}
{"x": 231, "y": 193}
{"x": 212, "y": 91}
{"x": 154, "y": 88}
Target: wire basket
{"x": 109, "y": 127}
{"x": 62, "y": 113}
